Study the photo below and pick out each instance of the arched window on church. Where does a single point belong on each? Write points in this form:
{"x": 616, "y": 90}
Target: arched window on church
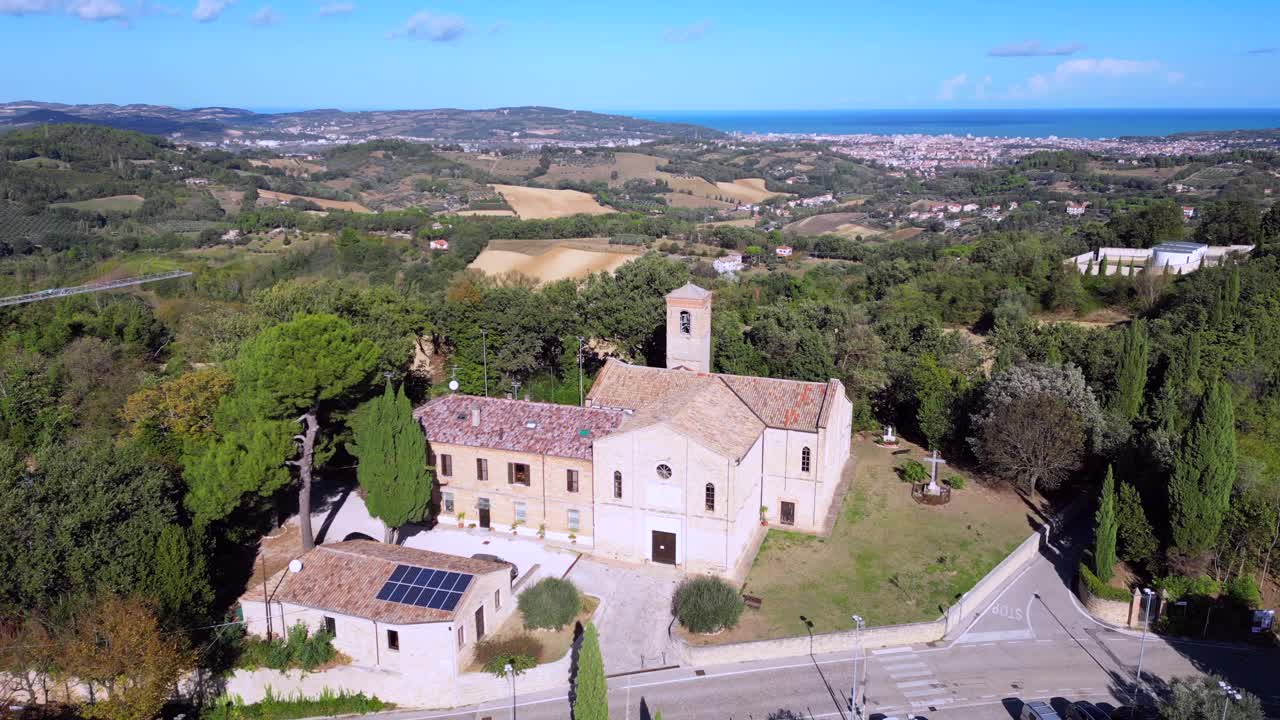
{"x": 805, "y": 457}
{"x": 686, "y": 322}
{"x": 617, "y": 484}
{"x": 711, "y": 497}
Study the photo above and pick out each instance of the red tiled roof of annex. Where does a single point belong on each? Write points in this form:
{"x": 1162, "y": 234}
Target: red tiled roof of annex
{"x": 345, "y": 578}
{"x": 779, "y": 403}
{"x": 516, "y": 425}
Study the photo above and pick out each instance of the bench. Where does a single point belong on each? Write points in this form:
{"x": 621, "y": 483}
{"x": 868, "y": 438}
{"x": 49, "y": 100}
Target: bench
{"x": 752, "y": 601}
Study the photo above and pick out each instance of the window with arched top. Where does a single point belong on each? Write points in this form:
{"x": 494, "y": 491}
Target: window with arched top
{"x": 711, "y": 497}
{"x": 805, "y": 457}
{"x": 617, "y": 484}
{"x": 686, "y": 322}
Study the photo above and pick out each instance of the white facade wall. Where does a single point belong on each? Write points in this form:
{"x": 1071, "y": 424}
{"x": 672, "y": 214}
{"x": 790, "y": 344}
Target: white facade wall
{"x": 705, "y": 540}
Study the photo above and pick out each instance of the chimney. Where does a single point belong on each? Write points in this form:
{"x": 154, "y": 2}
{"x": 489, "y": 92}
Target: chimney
{"x": 475, "y": 416}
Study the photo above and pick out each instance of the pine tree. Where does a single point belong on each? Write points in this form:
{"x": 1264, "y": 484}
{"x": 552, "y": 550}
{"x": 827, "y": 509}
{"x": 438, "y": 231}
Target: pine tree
{"x": 1104, "y": 537}
{"x": 392, "y": 451}
{"x": 1137, "y": 540}
{"x": 591, "y": 690}
{"x": 1131, "y": 375}
{"x": 1203, "y": 474}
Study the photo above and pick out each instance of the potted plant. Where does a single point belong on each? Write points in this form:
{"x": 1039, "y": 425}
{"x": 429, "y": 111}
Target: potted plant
{"x": 462, "y": 517}
{"x": 542, "y": 531}
{"x": 573, "y": 538}
{"x": 515, "y": 526}
{"x": 764, "y": 514}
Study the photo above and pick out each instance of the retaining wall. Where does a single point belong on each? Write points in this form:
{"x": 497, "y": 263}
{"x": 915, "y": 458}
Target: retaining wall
{"x": 1115, "y": 612}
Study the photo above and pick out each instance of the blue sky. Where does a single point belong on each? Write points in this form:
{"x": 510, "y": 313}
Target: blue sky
{"x": 659, "y": 55}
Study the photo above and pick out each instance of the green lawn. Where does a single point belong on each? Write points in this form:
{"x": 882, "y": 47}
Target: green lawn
{"x": 889, "y": 559}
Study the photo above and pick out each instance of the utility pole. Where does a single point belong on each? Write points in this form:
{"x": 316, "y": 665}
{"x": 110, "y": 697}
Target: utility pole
{"x": 1149, "y": 597}
{"x": 581, "y": 399}
{"x": 512, "y": 672}
{"x": 484, "y": 343}
{"x": 858, "y": 624}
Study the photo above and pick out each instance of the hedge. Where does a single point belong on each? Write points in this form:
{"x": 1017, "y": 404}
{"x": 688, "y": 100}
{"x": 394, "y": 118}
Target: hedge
{"x": 1101, "y": 589}
{"x": 706, "y": 604}
{"x": 550, "y": 603}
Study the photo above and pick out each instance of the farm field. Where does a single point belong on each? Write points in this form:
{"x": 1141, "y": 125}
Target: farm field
{"x": 514, "y": 166}
{"x": 750, "y": 190}
{"x": 291, "y": 166}
{"x": 871, "y": 564}
{"x": 551, "y": 260}
{"x": 43, "y": 162}
{"x": 842, "y": 224}
{"x": 540, "y": 203}
{"x": 1216, "y": 176}
{"x": 113, "y": 203}
{"x": 905, "y": 233}
{"x": 1145, "y": 172}
{"x": 486, "y": 213}
{"x": 228, "y": 200}
{"x": 629, "y": 166}
{"x": 682, "y": 200}
{"x": 326, "y": 204}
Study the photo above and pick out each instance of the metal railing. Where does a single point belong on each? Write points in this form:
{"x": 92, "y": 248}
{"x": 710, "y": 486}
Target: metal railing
{"x": 89, "y": 288}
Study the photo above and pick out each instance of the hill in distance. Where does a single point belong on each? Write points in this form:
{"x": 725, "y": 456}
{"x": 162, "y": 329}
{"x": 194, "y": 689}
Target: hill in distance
{"x": 232, "y": 127}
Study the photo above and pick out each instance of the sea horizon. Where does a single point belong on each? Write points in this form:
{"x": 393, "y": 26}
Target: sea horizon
{"x": 1085, "y": 123}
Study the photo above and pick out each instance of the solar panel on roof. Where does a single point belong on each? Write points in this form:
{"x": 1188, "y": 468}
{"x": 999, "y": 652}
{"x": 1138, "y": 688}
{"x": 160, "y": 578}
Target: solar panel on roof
{"x": 425, "y": 587}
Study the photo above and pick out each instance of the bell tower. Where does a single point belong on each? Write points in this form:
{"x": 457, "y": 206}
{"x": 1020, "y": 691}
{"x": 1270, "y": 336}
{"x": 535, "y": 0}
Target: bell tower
{"x": 689, "y": 328}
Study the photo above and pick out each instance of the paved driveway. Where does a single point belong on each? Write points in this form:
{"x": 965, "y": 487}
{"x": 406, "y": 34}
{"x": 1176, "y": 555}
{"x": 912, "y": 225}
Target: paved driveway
{"x": 524, "y": 552}
{"x": 637, "y": 611}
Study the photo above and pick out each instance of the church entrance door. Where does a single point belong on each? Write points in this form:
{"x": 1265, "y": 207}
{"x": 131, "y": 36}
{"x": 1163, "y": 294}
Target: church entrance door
{"x": 664, "y": 547}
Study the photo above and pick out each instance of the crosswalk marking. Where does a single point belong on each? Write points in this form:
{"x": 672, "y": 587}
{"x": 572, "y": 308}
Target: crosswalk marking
{"x": 914, "y": 683}
{"x": 910, "y": 673}
{"x": 905, "y": 666}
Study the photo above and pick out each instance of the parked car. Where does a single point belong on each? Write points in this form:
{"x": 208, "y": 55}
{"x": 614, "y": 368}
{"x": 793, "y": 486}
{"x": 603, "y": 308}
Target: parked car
{"x": 1037, "y": 710}
{"x": 1135, "y": 712}
{"x": 515, "y": 571}
{"x": 1085, "y": 710}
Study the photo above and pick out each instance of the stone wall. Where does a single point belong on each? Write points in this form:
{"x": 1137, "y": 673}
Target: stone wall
{"x": 1115, "y": 612}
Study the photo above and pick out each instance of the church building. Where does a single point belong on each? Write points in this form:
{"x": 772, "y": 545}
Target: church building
{"x": 675, "y": 465}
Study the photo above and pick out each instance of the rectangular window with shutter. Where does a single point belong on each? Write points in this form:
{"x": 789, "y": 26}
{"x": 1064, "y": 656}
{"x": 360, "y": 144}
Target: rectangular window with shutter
{"x": 518, "y": 474}
{"x": 571, "y": 480}
{"x": 446, "y": 465}
{"x": 482, "y": 469}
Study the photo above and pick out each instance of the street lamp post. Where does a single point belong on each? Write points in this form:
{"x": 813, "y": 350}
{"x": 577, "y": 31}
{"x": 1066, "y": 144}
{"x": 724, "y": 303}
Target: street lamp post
{"x": 1228, "y": 694}
{"x": 512, "y": 672}
{"x": 858, "y": 624}
{"x": 1149, "y": 597}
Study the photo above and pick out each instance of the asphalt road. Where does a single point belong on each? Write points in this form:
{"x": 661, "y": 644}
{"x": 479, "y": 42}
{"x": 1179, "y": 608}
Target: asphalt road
{"x": 1033, "y": 641}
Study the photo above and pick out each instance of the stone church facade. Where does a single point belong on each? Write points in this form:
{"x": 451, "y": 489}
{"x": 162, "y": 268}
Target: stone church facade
{"x": 674, "y": 465}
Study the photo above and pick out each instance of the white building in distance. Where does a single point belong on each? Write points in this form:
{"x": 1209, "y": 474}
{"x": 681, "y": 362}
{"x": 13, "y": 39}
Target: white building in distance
{"x": 1177, "y": 258}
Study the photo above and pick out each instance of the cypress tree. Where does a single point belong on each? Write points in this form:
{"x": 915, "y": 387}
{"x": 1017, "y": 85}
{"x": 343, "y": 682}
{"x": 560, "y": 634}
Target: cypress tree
{"x": 1102, "y": 267}
{"x": 1104, "y": 531}
{"x": 1131, "y": 374}
{"x": 1203, "y": 474}
{"x": 1137, "y": 541}
{"x": 591, "y": 690}
{"x": 392, "y": 451}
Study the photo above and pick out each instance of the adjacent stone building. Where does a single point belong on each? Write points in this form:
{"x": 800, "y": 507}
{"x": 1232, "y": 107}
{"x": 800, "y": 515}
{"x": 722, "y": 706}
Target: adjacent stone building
{"x": 672, "y": 465}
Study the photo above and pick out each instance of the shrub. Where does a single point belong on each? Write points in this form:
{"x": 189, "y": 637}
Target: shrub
{"x": 1180, "y": 586}
{"x": 1101, "y": 589}
{"x": 295, "y": 706}
{"x": 550, "y": 603}
{"x": 706, "y": 604}
{"x": 913, "y": 471}
{"x": 300, "y": 648}
{"x": 955, "y": 482}
{"x": 1243, "y": 591}
{"x": 517, "y": 645}
{"x": 497, "y": 665}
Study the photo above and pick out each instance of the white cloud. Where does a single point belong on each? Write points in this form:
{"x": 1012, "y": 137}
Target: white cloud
{"x": 980, "y": 90}
{"x": 265, "y": 16}
{"x": 1032, "y": 48}
{"x": 950, "y": 86}
{"x": 687, "y": 33}
{"x": 1075, "y": 71}
{"x": 98, "y": 10}
{"x": 27, "y": 7}
{"x": 336, "y": 8}
{"x": 209, "y": 10}
{"x": 427, "y": 25}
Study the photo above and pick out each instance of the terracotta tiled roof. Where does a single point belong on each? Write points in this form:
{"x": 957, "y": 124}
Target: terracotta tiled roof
{"x": 710, "y": 415}
{"x": 504, "y": 425}
{"x": 689, "y": 291}
{"x": 345, "y": 578}
{"x": 786, "y": 404}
